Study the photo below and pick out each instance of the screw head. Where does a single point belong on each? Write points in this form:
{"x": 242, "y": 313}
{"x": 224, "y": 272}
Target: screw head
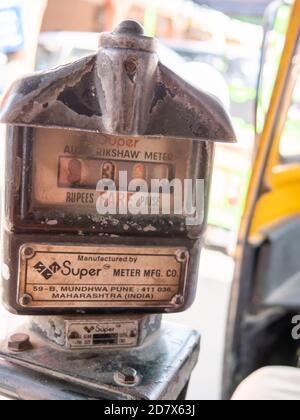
{"x": 181, "y": 256}
{"x": 28, "y": 252}
{"x": 25, "y": 300}
{"x": 19, "y": 342}
{"x": 178, "y": 300}
{"x": 127, "y": 377}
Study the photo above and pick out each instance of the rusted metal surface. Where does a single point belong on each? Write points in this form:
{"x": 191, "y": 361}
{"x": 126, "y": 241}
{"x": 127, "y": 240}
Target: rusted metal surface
{"x": 122, "y": 90}
{"x": 163, "y": 366}
{"x": 21, "y": 384}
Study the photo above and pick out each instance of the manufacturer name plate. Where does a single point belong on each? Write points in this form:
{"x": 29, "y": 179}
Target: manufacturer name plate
{"x": 101, "y": 334}
{"x": 111, "y": 277}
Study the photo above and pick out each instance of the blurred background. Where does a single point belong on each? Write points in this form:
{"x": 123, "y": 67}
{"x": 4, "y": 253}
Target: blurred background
{"x": 228, "y": 48}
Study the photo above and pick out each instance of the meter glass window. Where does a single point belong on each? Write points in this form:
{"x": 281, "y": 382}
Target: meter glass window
{"x": 67, "y": 166}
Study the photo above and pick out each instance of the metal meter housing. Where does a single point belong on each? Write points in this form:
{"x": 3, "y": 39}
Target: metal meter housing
{"x": 119, "y": 110}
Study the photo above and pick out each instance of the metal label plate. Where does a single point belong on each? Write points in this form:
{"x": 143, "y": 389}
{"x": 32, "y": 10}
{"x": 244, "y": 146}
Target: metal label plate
{"x": 52, "y": 276}
{"x": 94, "y": 334}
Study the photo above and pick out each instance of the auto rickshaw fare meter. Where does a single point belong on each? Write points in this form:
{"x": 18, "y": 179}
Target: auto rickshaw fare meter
{"x": 117, "y": 112}
{"x": 102, "y": 225}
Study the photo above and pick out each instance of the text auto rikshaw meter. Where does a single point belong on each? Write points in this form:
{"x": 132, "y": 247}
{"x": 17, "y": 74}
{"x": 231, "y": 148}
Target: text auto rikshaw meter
{"x": 84, "y": 142}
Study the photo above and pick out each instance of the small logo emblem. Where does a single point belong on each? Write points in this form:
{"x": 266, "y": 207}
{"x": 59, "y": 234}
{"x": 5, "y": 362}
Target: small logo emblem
{"x": 47, "y": 272}
{"x": 89, "y": 330}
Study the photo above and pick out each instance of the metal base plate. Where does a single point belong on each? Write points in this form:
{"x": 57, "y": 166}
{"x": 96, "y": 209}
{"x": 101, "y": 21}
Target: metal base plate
{"x": 164, "y": 366}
